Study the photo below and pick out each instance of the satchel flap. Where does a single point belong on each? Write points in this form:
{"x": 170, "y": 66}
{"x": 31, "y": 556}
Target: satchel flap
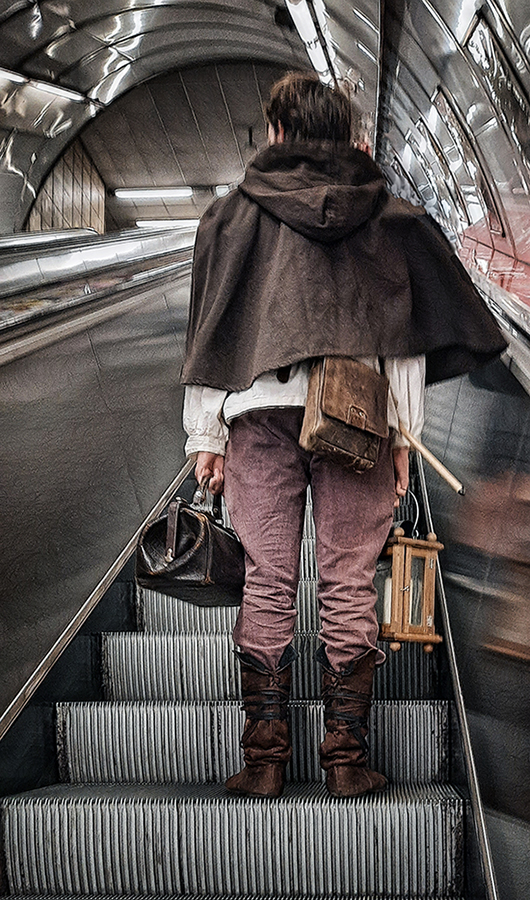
{"x": 355, "y": 394}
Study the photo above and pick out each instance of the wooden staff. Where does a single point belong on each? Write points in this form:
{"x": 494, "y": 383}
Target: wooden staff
{"x": 435, "y": 463}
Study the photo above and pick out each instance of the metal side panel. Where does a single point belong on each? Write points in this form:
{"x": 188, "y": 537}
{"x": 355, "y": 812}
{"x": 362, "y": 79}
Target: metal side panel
{"x": 198, "y": 840}
{"x": 203, "y": 666}
{"x": 91, "y": 428}
{"x": 150, "y": 743}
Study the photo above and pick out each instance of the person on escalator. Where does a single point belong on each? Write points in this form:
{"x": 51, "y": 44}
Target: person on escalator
{"x": 309, "y": 257}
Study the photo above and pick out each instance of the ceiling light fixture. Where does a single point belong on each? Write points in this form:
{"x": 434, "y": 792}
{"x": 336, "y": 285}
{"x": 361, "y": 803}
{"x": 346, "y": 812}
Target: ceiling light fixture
{"x": 65, "y": 93}
{"x": 155, "y": 193}
{"x": 318, "y": 50}
{"x": 45, "y": 87}
{"x": 221, "y": 190}
{"x": 12, "y": 76}
{"x": 365, "y": 19}
{"x": 167, "y": 223}
{"x": 366, "y": 51}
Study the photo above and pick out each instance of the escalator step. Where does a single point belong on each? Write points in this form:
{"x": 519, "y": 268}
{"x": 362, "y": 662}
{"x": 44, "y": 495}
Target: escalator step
{"x": 197, "y": 840}
{"x": 142, "y": 666}
{"x": 199, "y": 742}
{"x": 190, "y": 897}
{"x": 158, "y": 612}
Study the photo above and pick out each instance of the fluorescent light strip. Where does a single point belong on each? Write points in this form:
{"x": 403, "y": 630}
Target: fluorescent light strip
{"x": 177, "y": 193}
{"x": 365, "y": 19}
{"x": 305, "y": 26}
{"x": 366, "y": 51}
{"x": 12, "y": 76}
{"x": 303, "y": 20}
{"x": 66, "y": 93}
{"x": 43, "y": 86}
{"x": 167, "y": 223}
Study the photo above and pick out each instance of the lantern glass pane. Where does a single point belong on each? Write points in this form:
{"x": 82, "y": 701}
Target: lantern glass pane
{"x": 383, "y": 585}
{"x": 417, "y": 570}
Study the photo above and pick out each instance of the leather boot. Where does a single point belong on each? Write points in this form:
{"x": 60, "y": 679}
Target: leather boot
{"x": 347, "y": 698}
{"x": 265, "y": 741}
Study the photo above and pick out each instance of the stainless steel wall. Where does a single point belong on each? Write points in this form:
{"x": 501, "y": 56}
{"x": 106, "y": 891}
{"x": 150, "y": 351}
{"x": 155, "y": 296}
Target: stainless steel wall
{"x": 92, "y": 435}
{"x": 454, "y": 118}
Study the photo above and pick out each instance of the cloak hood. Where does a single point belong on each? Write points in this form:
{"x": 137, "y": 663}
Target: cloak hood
{"x": 320, "y": 189}
{"x": 312, "y": 256}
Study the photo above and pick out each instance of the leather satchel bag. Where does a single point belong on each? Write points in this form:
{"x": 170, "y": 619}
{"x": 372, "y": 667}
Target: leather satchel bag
{"x": 346, "y": 412}
{"x": 187, "y": 553}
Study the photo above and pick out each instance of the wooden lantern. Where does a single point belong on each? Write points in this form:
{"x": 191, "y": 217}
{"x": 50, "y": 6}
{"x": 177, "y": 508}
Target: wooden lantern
{"x": 407, "y": 612}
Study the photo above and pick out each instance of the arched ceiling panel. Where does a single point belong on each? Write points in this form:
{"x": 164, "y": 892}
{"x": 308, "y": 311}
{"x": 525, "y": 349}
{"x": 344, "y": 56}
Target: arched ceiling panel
{"x": 456, "y": 78}
{"x": 103, "y": 49}
{"x": 133, "y": 34}
{"x": 198, "y": 126}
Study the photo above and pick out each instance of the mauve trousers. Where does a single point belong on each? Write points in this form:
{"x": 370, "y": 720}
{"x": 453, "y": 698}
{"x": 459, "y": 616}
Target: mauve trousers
{"x": 266, "y": 477}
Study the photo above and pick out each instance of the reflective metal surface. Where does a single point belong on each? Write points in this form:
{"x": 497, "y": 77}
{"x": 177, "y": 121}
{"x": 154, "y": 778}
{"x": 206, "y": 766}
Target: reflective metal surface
{"x": 480, "y": 426}
{"x": 91, "y": 437}
{"x": 102, "y": 52}
{"x": 455, "y": 92}
{"x": 60, "y": 278}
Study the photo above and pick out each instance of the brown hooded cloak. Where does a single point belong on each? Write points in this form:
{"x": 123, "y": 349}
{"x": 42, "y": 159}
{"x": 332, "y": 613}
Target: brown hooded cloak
{"x": 312, "y": 256}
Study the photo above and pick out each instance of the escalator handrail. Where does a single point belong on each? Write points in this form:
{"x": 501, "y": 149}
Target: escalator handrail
{"x": 72, "y": 316}
{"x": 17, "y": 705}
{"x": 475, "y": 797}
{"x": 24, "y": 241}
{"x": 27, "y": 271}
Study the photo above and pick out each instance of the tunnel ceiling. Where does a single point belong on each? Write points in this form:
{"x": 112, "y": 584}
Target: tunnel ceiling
{"x": 447, "y": 82}
{"x": 102, "y": 50}
{"x": 197, "y": 126}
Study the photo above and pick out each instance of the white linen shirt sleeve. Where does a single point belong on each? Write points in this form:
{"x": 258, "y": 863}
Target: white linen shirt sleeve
{"x": 406, "y": 396}
{"x": 202, "y": 420}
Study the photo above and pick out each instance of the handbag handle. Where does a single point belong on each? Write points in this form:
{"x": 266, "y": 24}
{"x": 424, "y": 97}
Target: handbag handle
{"x": 200, "y": 496}
{"x": 171, "y": 533}
{"x": 173, "y": 516}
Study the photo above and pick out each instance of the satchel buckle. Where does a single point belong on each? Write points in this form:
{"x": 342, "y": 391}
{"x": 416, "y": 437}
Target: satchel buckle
{"x": 357, "y": 417}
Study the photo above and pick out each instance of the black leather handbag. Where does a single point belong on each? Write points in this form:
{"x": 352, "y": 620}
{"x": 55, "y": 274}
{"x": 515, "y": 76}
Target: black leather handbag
{"x": 188, "y": 553}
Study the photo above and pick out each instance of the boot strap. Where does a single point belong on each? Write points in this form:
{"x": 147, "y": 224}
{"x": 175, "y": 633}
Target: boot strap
{"x": 331, "y": 694}
{"x": 356, "y": 724}
{"x": 259, "y": 707}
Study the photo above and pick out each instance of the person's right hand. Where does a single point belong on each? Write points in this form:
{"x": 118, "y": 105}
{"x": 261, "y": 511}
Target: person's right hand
{"x": 212, "y": 466}
{"x": 401, "y": 472}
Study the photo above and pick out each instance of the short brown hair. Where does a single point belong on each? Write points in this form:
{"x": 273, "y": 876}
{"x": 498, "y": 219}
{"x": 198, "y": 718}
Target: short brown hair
{"x": 308, "y": 110}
